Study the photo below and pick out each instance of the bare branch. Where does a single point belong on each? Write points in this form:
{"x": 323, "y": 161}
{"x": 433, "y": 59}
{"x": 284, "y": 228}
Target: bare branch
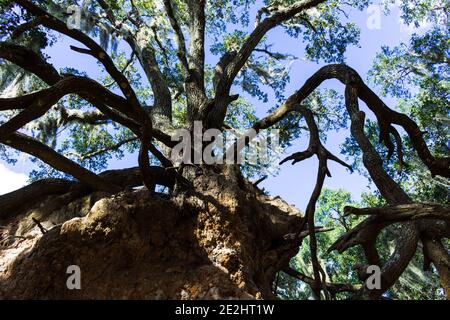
{"x": 39, "y": 150}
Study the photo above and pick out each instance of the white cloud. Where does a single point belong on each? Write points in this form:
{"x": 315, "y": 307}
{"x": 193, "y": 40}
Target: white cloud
{"x": 10, "y": 181}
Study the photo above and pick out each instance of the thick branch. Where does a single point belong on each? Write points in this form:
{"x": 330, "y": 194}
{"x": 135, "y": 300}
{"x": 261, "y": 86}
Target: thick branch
{"x": 30, "y": 61}
{"x": 406, "y": 212}
{"x": 14, "y": 202}
{"x": 440, "y": 257}
{"x": 35, "y": 148}
{"x": 34, "y": 63}
{"x": 315, "y": 145}
{"x": 407, "y": 240}
{"x": 17, "y": 201}
{"x": 197, "y": 41}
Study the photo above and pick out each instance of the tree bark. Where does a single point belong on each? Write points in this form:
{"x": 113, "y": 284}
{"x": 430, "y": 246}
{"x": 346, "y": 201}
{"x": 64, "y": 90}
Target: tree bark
{"x": 222, "y": 238}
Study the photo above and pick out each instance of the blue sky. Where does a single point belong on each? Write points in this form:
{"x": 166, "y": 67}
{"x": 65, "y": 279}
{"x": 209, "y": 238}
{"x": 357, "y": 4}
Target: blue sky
{"x": 293, "y": 183}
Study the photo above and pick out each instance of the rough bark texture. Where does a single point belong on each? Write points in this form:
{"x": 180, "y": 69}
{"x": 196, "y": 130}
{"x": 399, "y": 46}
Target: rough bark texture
{"x": 223, "y": 238}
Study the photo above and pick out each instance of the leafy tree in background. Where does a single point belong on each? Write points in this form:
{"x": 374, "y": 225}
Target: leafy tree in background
{"x": 154, "y": 79}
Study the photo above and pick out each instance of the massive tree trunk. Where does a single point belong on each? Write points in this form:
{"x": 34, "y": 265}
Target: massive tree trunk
{"x": 220, "y": 238}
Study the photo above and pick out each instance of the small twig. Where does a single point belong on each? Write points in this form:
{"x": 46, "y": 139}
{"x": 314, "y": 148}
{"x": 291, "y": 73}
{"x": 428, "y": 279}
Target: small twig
{"x": 38, "y": 223}
{"x": 255, "y": 184}
{"x": 81, "y": 50}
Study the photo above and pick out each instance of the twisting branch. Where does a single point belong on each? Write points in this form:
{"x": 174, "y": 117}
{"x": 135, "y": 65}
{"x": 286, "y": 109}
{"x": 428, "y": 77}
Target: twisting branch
{"x": 43, "y": 100}
{"x": 407, "y": 240}
{"x": 34, "y": 63}
{"x": 96, "y": 51}
{"x": 310, "y": 213}
{"x": 61, "y": 86}
{"x": 315, "y": 146}
{"x": 389, "y": 189}
{"x": 27, "y": 197}
{"x": 333, "y": 288}
{"x": 365, "y": 233}
{"x": 385, "y": 115}
{"x": 39, "y": 150}
{"x": 110, "y": 104}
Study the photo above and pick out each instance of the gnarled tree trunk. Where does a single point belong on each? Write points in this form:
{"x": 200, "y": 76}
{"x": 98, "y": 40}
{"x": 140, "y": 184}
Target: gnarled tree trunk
{"x": 221, "y": 238}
